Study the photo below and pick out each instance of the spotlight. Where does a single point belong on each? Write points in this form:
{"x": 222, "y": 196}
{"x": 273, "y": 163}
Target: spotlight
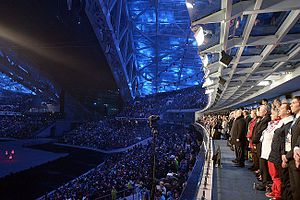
{"x": 199, "y": 35}
{"x": 225, "y": 58}
{"x": 189, "y": 5}
{"x": 264, "y": 83}
{"x": 208, "y": 82}
{"x": 204, "y": 59}
{"x": 209, "y": 91}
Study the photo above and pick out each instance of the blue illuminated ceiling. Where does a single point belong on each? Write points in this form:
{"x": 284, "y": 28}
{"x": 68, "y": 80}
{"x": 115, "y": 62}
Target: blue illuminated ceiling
{"x": 166, "y": 51}
{"x": 16, "y": 75}
{"x": 7, "y": 83}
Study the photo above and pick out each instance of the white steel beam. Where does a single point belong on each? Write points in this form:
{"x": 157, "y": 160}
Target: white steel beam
{"x": 248, "y": 8}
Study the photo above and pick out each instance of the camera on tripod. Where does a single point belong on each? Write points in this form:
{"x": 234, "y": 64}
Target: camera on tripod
{"x": 152, "y": 121}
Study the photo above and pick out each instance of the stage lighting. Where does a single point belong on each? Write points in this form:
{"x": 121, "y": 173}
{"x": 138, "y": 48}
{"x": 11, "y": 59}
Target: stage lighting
{"x": 208, "y": 82}
{"x": 204, "y": 59}
{"x": 264, "y": 83}
{"x": 209, "y": 91}
{"x": 199, "y": 35}
{"x": 225, "y": 58}
{"x": 189, "y": 5}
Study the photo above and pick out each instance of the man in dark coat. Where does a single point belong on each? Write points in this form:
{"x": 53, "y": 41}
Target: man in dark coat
{"x": 247, "y": 118}
{"x": 239, "y": 137}
{"x": 277, "y": 148}
{"x": 291, "y": 142}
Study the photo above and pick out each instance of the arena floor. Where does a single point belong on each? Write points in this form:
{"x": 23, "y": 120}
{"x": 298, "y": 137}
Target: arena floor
{"x": 23, "y": 158}
{"x": 41, "y": 168}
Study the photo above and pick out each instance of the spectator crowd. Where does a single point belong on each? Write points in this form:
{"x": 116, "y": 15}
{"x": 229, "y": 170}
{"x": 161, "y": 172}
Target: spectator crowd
{"x": 108, "y": 133}
{"x": 176, "y": 153}
{"x": 176, "y": 147}
{"x": 269, "y": 136}
{"x": 25, "y": 125}
{"x": 159, "y": 103}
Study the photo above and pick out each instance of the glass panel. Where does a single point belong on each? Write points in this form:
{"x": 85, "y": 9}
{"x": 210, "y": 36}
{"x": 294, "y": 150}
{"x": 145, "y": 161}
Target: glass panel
{"x": 203, "y": 8}
{"x": 283, "y": 48}
{"x": 233, "y": 51}
{"x": 212, "y": 35}
{"x": 7, "y": 83}
{"x": 267, "y": 64}
{"x": 237, "y": 26}
{"x": 245, "y": 65}
{"x": 253, "y": 50}
{"x": 268, "y": 23}
{"x": 167, "y": 51}
{"x": 296, "y": 28}
{"x": 214, "y": 57}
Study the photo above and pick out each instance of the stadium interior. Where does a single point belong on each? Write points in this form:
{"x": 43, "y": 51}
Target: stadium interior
{"x": 149, "y": 99}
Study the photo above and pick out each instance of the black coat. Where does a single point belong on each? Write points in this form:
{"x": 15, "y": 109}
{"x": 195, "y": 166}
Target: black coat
{"x": 259, "y": 128}
{"x": 230, "y": 123}
{"x": 238, "y": 130}
{"x": 278, "y": 144}
{"x": 295, "y": 138}
{"x": 248, "y": 120}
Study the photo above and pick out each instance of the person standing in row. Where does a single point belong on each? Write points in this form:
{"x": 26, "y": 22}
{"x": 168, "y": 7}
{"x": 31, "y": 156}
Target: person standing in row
{"x": 239, "y": 137}
{"x": 264, "y": 113}
{"x": 291, "y": 142}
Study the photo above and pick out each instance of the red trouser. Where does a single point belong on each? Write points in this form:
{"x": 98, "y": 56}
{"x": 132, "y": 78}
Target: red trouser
{"x": 276, "y": 187}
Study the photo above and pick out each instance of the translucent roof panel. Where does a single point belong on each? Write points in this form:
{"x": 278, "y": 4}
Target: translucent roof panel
{"x": 166, "y": 51}
{"x": 233, "y": 51}
{"x": 213, "y": 57}
{"x": 239, "y": 25}
{"x": 245, "y": 65}
{"x": 283, "y": 48}
{"x": 203, "y": 8}
{"x": 212, "y": 35}
{"x": 268, "y": 23}
{"x": 296, "y": 28}
{"x": 267, "y": 64}
{"x": 253, "y": 50}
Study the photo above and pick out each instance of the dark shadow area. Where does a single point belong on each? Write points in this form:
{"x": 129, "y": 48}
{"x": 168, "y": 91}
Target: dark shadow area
{"x": 35, "y": 182}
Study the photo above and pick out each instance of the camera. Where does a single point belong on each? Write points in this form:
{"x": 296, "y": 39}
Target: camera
{"x": 152, "y": 120}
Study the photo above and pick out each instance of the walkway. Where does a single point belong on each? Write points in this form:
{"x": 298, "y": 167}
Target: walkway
{"x": 232, "y": 182}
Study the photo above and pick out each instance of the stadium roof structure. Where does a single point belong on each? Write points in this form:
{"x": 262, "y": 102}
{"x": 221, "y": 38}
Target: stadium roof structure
{"x": 262, "y": 36}
{"x": 149, "y": 44}
{"x": 50, "y": 46}
{"x": 19, "y": 76}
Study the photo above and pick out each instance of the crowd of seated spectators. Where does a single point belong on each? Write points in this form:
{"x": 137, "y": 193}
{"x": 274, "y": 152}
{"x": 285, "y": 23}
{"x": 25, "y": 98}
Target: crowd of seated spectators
{"x": 118, "y": 133}
{"x": 189, "y": 98}
{"x": 24, "y": 125}
{"x": 108, "y": 133}
{"x": 14, "y": 102}
{"x": 268, "y": 136}
{"x": 176, "y": 154}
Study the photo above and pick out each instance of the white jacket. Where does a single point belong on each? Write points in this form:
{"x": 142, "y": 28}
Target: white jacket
{"x": 267, "y": 137}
